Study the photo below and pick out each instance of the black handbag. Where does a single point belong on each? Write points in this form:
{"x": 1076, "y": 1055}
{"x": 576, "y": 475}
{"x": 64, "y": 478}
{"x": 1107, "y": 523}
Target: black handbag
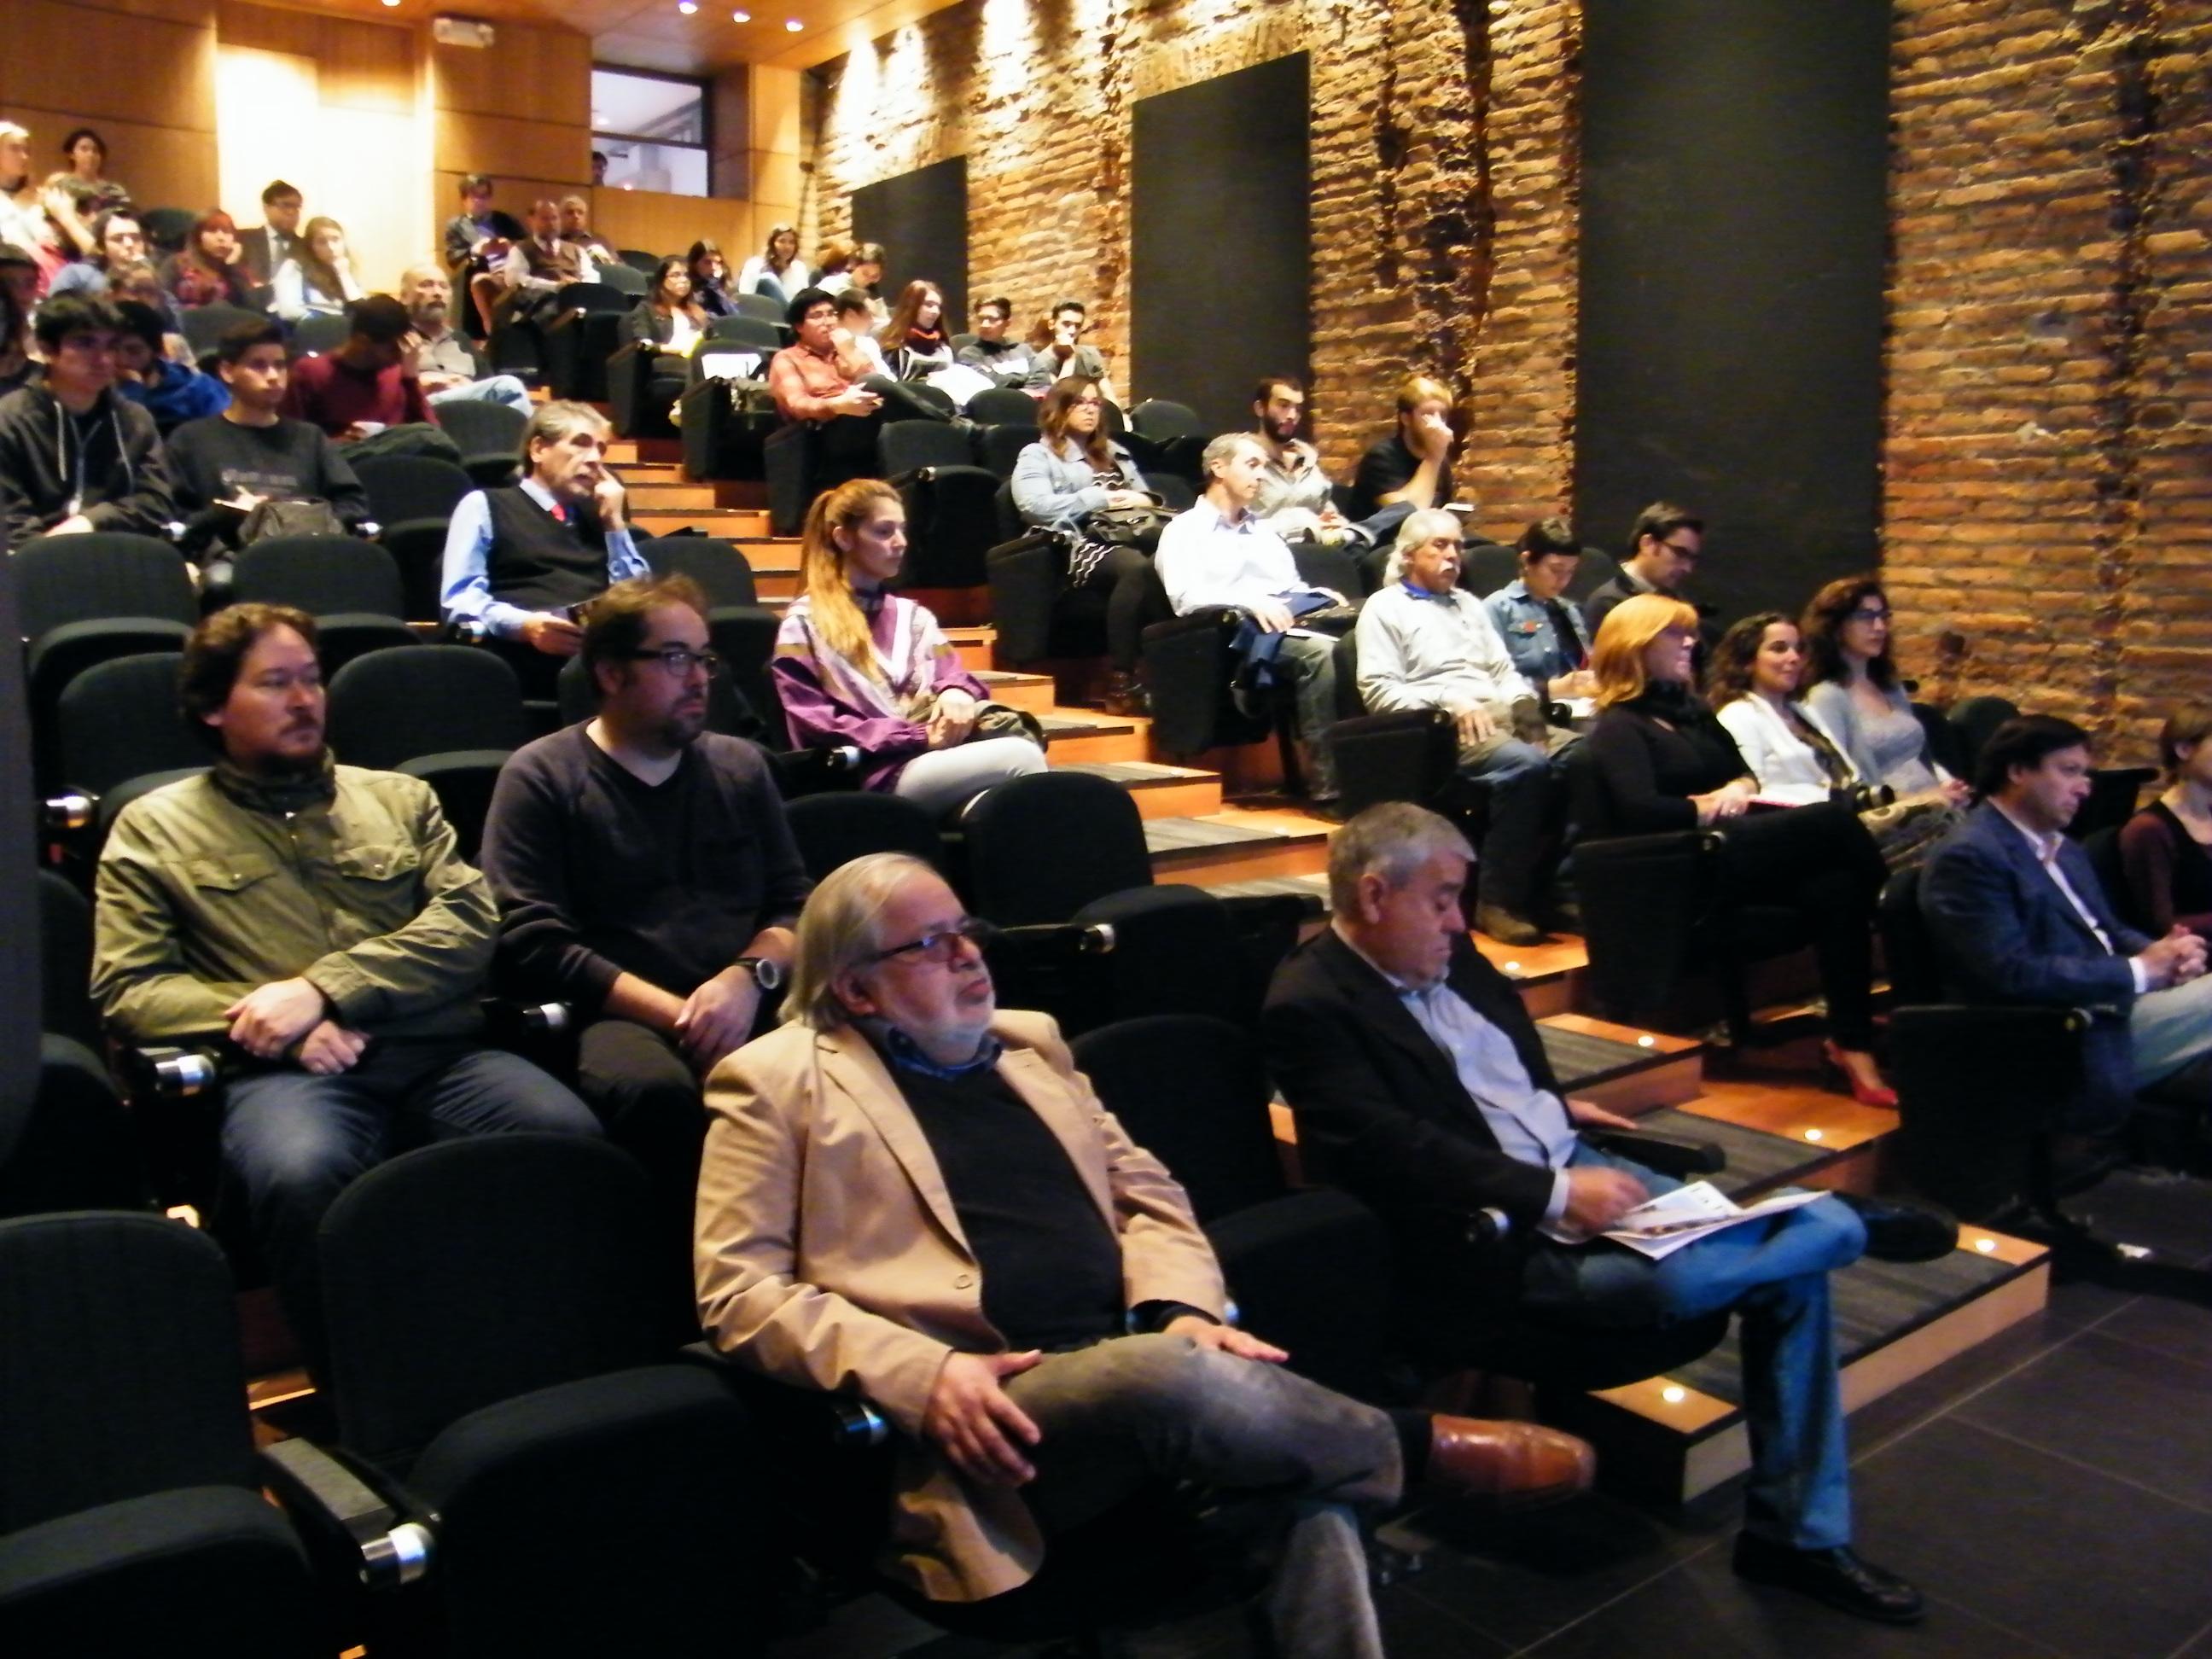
{"x": 1125, "y": 526}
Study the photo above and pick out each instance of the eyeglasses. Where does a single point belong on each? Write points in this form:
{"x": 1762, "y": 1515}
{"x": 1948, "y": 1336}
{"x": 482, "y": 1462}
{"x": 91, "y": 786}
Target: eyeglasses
{"x": 942, "y": 945}
{"x": 679, "y": 660}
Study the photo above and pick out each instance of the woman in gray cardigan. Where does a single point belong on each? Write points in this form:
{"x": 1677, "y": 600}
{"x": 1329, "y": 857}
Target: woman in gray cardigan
{"x": 1074, "y": 469}
{"x": 1855, "y": 694}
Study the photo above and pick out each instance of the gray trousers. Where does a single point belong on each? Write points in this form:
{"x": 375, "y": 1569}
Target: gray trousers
{"x": 1310, "y": 660}
{"x": 942, "y": 779}
{"x": 2170, "y": 1029}
{"x": 1132, "y": 1411}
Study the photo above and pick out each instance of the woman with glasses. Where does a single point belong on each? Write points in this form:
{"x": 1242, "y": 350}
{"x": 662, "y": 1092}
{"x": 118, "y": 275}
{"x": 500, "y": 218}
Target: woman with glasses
{"x": 1853, "y": 690}
{"x": 1657, "y": 760}
{"x": 855, "y": 665}
{"x": 1072, "y": 470}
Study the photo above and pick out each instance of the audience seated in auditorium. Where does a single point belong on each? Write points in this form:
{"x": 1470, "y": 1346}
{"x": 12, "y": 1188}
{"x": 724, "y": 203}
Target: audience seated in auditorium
{"x": 1662, "y": 761}
{"x": 1066, "y": 1344}
{"x": 1072, "y": 470}
{"x": 225, "y": 466}
{"x": 2165, "y": 849}
{"x": 1425, "y": 643}
{"x": 914, "y": 343}
{"x": 857, "y": 664}
{"x": 520, "y": 560}
{"x": 318, "y": 280}
{"x": 1007, "y": 362}
{"x": 24, "y": 219}
{"x": 646, "y": 876}
{"x": 1417, "y": 1076}
{"x": 859, "y": 265}
{"x": 824, "y": 381}
{"x": 1543, "y": 630}
{"x": 1217, "y": 554}
{"x": 710, "y": 279}
{"x": 83, "y": 180}
{"x": 833, "y": 264}
{"x": 776, "y": 271}
{"x": 1412, "y": 467}
{"x": 668, "y": 318}
{"x": 1751, "y": 685}
{"x": 141, "y": 282}
{"x": 1663, "y": 545}
{"x": 576, "y": 230}
{"x": 2018, "y": 917}
{"x": 314, "y": 923}
{"x": 855, "y": 337}
{"x": 206, "y": 271}
{"x": 75, "y": 455}
{"x": 365, "y": 385}
{"x": 1851, "y": 684}
{"x": 538, "y": 268}
{"x": 1058, "y": 350}
{"x": 444, "y": 360}
{"x": 118, "y": 240}
{"x": 18, "y": 284}
{"x": 478, "y": 242}
{"x": 266, "y": 246}
{"x": 172, "y": 392}
{"x": 1295, "y": 498}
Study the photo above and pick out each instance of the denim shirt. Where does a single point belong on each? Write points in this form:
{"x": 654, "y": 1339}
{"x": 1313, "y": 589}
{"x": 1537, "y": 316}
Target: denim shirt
{"x": 1530, "y": 639}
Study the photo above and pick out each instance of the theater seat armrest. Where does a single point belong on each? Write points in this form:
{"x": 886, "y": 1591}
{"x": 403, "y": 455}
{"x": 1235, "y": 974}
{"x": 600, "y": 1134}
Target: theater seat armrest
{"x": 340, "y": 1511}
{"x": 1681, "y": 1156}
{"x": 171, "y": 1072}
{"x": 850, "y": 1422}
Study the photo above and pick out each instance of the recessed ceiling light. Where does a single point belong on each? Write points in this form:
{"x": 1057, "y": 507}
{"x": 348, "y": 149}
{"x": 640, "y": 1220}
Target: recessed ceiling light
{"x": 687, "y": 6}
{"x": 793, "y": 24}
{"x": 741, "y": 17}
{"x": 391, "y": 2}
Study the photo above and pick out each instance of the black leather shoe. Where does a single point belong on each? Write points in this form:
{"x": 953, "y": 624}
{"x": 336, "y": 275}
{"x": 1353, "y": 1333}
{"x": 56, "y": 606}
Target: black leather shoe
{"x": 1903, "y": 1232}
{"x": 1836, "y": 1577}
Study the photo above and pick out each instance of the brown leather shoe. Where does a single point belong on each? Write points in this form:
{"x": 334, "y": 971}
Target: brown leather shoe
{"x": 1519, "y": 1464}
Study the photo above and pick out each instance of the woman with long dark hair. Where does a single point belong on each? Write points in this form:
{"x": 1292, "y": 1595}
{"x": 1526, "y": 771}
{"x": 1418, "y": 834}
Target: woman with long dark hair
{"x": 86, "y": 153}
{"x": 1851, "y": 684}
{"x": 206, "y": 271}
{"x": 1658, "y": 760}
{"x": 318, "y": 280}
{"x": 669, "y": 317}
{"x": 857, "y": 664}
{"x": 710, "y": 279}
{"x": 914, "y": 343}
{"x": 1075, "y": 469}
{"x": 776, "y": 270}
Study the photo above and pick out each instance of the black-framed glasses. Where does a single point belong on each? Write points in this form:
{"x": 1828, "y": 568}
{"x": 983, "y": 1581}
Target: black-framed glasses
{"x": 679, "y": 659}
{"x": 940, "y": 944}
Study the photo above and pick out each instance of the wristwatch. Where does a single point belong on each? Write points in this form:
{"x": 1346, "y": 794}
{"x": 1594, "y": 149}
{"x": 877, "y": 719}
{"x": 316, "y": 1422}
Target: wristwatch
{"x": 767, "y": 974}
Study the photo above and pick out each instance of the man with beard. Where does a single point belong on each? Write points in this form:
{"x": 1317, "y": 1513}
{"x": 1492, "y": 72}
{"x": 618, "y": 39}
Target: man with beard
{"x": 313, "y": 923}
{"x": 443, "y": 358}
{"x": 1297, "y": 499}
{"x": 645, "y": 875}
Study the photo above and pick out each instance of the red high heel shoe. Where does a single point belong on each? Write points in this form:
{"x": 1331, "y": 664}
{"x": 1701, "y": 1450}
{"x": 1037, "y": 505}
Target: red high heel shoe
{"x": 1879, "y": 1094}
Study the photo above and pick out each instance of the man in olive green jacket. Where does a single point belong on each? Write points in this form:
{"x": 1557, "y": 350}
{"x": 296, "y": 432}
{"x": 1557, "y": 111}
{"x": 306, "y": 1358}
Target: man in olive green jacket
{"x": 315, "y": 923}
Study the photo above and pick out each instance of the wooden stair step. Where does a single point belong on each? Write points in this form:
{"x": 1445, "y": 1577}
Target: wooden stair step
{"x": 1160, "y": 791}
{"x": 973, "y": 645}
{"x": 1670, "y": 1439}
{"x": 1548, "y": 975}
{"x": 670, "y": 495}
{"x": 1078, "y": 734}
{"x": 1031, "y": 691}
{"x": 668, "y": 452}
{"x": 1235, "y": 845}
{"x": 729, "y": 522}
{"x": 1842, "y": 1140}
{"x": 1313, "y": 889}
{"x": 1622, "y": 1067}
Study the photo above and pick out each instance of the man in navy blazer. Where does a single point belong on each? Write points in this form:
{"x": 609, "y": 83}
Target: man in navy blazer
{"x": 2019, "y": 916}
{"x": 1421, "y": 1085}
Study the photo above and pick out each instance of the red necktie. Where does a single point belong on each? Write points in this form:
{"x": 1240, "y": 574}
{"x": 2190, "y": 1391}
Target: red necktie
{"x": 560, "y": 513}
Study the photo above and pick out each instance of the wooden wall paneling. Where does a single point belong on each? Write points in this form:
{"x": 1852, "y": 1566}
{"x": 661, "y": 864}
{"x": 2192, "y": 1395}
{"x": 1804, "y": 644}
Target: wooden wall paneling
{"x": 670, "y": 224}
{"x": 359, "y": 66}
{"x": 502, "y": 145}
{"x": 546, "y": 72}
{"x": 164, "y": 167}
{"x": 514, "y": 196}
{"x": 114, "y": 67}
{"x": 388, "y": 225}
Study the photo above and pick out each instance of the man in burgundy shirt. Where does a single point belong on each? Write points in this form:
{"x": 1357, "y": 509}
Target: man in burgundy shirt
{"x": 364, "y": 385}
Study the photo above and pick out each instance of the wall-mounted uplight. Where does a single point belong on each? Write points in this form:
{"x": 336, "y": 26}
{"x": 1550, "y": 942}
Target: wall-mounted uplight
{"x": 741, "y": 17}
{"x": 793, "y": 24}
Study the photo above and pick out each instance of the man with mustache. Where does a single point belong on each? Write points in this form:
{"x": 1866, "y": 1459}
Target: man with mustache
{"x": 314, "y": 923}
{"x": 645, "y": 875}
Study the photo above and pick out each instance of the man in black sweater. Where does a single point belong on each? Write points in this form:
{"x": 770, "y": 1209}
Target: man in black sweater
{"x": 227, "y": 464}
{"x": 645, "y": 873}
{"x": 75, "y": 456}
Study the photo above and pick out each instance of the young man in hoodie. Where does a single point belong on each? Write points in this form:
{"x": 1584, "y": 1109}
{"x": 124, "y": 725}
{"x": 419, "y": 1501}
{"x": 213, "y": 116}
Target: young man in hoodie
{"x": 74, "y": 455}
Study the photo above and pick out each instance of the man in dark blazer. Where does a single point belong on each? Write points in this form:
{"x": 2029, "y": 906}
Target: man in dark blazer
{"x": 2018, "y": 915}
{"x": 1420, "y": 1085}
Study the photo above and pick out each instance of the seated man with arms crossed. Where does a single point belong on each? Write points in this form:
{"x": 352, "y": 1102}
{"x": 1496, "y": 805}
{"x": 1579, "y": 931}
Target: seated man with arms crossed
{"x": 1419, "y": 1077}
{"x": 443, "y": 358}
{"x": 645, "y": 875}
{"x": 520, "y": 560}
{"x": 908, "y": 1192}
{"x": 2019, "y": 915}
{"x": 1424, "y": 643}
{"x": 1217, "y": 554}
{"x": 316, "y": 920}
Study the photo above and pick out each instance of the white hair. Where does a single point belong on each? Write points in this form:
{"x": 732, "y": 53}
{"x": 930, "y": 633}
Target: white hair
{"x": 1416, "y": 528}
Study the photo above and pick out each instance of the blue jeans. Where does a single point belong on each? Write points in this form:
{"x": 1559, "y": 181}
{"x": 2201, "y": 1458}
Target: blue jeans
{"x": 1774, "y": 1274}
{"x": 492, "y": 389}
{"x": 293, "y": 1141}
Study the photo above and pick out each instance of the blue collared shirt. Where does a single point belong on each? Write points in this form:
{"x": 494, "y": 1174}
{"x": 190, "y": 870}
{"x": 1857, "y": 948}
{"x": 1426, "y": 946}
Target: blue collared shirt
{"x": 1531, "y": 640}
{"x": 467, "y": 594}
{"x": 904, "y": 1053}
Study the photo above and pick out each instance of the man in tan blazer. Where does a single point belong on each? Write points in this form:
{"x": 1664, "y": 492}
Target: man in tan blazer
{"x": 908, "y": 1195}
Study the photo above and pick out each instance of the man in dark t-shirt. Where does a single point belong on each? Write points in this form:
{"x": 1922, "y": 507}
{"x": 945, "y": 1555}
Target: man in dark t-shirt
{"x": 645, "y": 875}
{"x": 1412, "y": 467}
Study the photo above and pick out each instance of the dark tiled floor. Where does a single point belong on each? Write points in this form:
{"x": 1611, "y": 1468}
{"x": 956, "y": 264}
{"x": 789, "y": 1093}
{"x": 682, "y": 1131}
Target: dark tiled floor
{"x": 2050, "y": 1491}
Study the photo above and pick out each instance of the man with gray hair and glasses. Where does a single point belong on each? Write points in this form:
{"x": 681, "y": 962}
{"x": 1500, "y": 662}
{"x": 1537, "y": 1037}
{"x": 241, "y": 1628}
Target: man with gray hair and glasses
{"x": 1219, "y": 553}
{"x": 1425, "y": 642}
{"x": 911, "y": 1194}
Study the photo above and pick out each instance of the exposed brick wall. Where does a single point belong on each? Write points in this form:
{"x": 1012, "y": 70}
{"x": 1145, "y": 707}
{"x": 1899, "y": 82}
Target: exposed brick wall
{"x": 1442, "y": 179}
{"x": 2048, "y": 512}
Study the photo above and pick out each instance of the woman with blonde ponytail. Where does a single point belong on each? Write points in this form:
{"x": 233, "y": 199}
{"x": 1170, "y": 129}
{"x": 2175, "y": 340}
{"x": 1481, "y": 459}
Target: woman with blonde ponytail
{"x": 855, "y": 665}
